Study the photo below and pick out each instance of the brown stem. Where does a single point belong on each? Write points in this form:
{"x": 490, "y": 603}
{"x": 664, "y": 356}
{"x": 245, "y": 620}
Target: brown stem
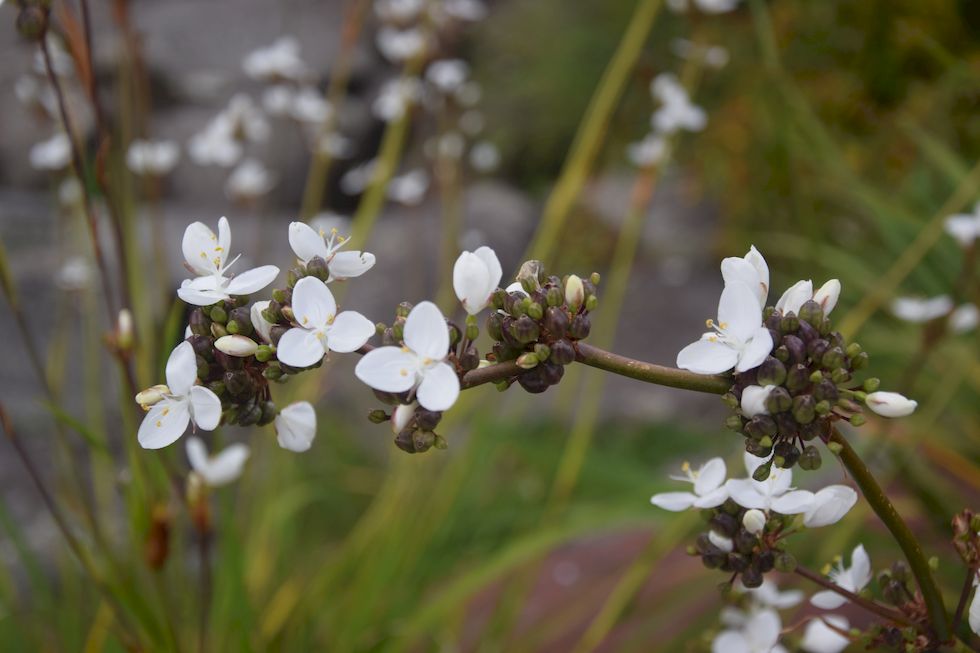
{"x": 881, "y": 610}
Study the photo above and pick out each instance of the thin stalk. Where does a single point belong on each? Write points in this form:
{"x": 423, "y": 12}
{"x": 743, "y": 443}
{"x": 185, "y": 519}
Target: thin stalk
{"x": 971, "y": 575}
{"x": 871, "y": 606}
{"x": 205, "y": 587}
{"x": 650, "y": 372}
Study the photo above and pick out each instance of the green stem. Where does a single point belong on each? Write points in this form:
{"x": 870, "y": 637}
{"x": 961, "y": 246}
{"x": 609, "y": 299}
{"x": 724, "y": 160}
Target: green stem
{"x": 883, "y": 507}
{"x": 651, "y": 373}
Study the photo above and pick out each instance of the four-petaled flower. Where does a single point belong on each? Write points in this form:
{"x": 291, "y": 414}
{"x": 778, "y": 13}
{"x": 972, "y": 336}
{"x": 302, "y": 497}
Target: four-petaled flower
{"x": 179, "y": 403}
{"x": 739, "y": 340}
{"x": 852, "y": 579}
{"x": 419, "y": 365}
{"x": 207, "y": 256}
{"x": 773, "y": 494}
{"x": 475, "y": 276}
{"x": 319, "y": 328}
{"x": 296, "y": 426}
{"x": 219, "y": 469}
{"x": 308, "y": 243}
{"x": 709, "y": 488}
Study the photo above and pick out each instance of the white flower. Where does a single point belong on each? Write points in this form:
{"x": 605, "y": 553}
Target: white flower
{"x": 181, "y": 404}
{"x": 447, "y": 74}
{"x": 821, "y": 638}
{"x": 398, "y": 11}
{"x": 236, "y": 345}
{"x": 154, "y": 158}
{"x": 395, "y": 97}
{"x": 707, "y": 6}
{"x": 220, "y": 469}
{"x": 974, "y": 616}
{"x": 53, "y": 154}
{"x": 890, "y": 404}
{"x": 278, "y": 61}
{"x": 918, "y": 310}
{"x": 335, "y": 144}
{"x": 773, "y": 494}
{"x": 802, "y": 291}
{"x": 471, "y": 10}
{"x": 215, "y": 144}
{"x": 207, "y": 256}
{"x": 296, "y": 426}
{"x": 739, "y": 339}
{"x": 74, "y": 274}
{"x": 829, "y": 506}
{"x": 648, "y": 152}
{"x": 754, "y": 521}
{"x": 713, "y": 56}
{"x": 484, "y": 156}
{"x": 852, "y": 579}
{"x": 249, "y": 180}
{"x": 759, "y": 634}
{"x": 357, "y": 178}
{"x": 677, "y": 112}
{"x": 400, "y": 45}
{"x": 752, "y": 270}
{"x": 319, "y": 328}
{"x": 419, "y": 364}
{"x": 574, "y": 291}
{"x": 277, "y": 100}
{"x": 768, "y": 595}
{"x": 261, "y": 325}
{"x": 754, "y": 400}
{"x": 475, "y": 276}
{"x": 408, "y": 189}
{"x": 308, "y": 243}
{"x": 401, "y": 416}
{"x": 309, "y": 105}
{"x": 964, "y": 227}
{"x": 709, "y": 488}
{"x": 964, "y": 319}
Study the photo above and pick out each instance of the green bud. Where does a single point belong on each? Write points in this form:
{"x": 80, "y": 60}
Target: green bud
{"x": 542, "y": 351}
{"x": 778, "y": 400}
{"x": 524, "y": 330}
{"x": 472, "y": 331}
{"x": 317, "y": 267}
{"x": 816, "y": 377}
{"x": 398, "y": 331}
{"x": 797, "y": 378}
{"x": 853, "y": 349}
{"x": 528, "y": 361}
{"x": 591, "y": 303}
{"x": 789, "y": 324}
{"x": 833, "y": 359}
{"x": 934, "y": 563}
{"x": 423, "y": 440}
{"x": 554, "y": 296}
{"x": 870, "y": 385}
{"x": 218, "y": 313}
{"x": 785, "y": 562}
{"x": 294, "y": 275}
{"x": 264, "y": 353}
{"x": 810, "y": 458}
{"x": 804, "y": 409}
{"x": 217, "y": 387}
{"x": 281, "y": 296}
{"x": 530, "y": 274}
{"x": 534, "y": 311}
{"x": 835, "y": 448}
{"x": 218, "y": 330}
{"x": 762, "y": 472}
{"x": 440, "y": 442}
{"x": 840, "y": 375}
{"x": 377, "y": 416}
{"x": 857, "y": 419}
{"x": 734, "y": 422}
{"x": 860, "y": 361}
{"x": 811, "y": 312}
{"x": 781, "y": 353}
{"x": 771, "y": 372}
{"x": 822, "y": 407}
{"x": 273, "y": 372}
{"x": 730, "y": 400}
{"x": 287, "y": 313}
{"x": 595, "y": 278}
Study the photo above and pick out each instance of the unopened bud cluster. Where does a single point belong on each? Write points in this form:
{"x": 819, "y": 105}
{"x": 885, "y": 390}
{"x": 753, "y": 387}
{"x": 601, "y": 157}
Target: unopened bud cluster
{"x": 538, "y": 325}
{"x": 808, "y": 383}
{"x": 744, "y": 543}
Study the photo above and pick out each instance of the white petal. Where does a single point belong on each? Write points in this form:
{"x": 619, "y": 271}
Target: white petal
{"x": 779, "y": 480}
{"x": 963, "y": 227}
{"x": 181, "y": 369}
{"x": 299, "y": 347}
{"x": 389, "y": 369}
{"x": 196, "y": 297}
{"x": 236, "y": 345}
{"x": 820, "y": 638}
{"x": 730, "y": 641}
{"x": 673, "y": 501}
{"x": 793, "y": 503}
{"x": 712, "y": 499}
{"x": 799, "y": 293}
{"x": 739, "y": 313}
{"x": 763, "y": 629}
{"x": 707, "y": 357}
{"x": 439, "y": 387}
{"x": 743, "y": 492}
{"x": 201, "y": 249}
{"x": 755, "y": 258}
{"x": 917, "y": 310}
{"x": 471, "y": 282}
{"x": 252, "y": 280}
{"x": 296, "y": 426}
{"x": 756, "y": 350}
{"x": 349, "y": 331}
{"x": 720, "y": 541}
{"x": 890, "y": 404}
{"x": 754, "y": 521}
{"x": 754, "y": 400}
{"x": 197, "y": 453}
{"x": 401, "y": 416}
{"x": 964, "y": 319}
{"x": 225, "y": 467}
{"x": 313, "y": 303}
{"x": 710, "y": 477}
{"x": 306, "y": 242}
{"x": 860, "y": 568}
{"x": 426, "y": 332}
{"x": 975, "y": 613}
{"x": 163, "y": 424}
{"x": 738, "y": 270}
{"x": 347, "y": 265}
{"x": 489, "y": 258}
{"x": 830, "y": 505}
{"x": 827, "y": 600}
{"x": 205, "y": 408}
{"x": 261, "y": 325}
{"x": 224, "y": 236}
{"x": 827, "y": 295}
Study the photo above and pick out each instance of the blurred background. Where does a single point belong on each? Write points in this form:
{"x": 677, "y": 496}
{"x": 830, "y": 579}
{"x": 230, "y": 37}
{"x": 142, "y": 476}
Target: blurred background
{"x": 839, "y": 136}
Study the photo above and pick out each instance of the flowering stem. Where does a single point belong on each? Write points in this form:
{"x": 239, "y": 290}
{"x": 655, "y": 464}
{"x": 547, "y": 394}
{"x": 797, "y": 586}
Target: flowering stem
{"x": 883, "y": 507}
{"x": 881, "y": 610}
{"x": 964, "y": 596}
{"x": 649, "y": 372}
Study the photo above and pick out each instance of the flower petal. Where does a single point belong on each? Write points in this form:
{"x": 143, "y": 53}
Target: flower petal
{"x": 349, "y": 331}
{"x": 673, "y": 501}
{"x": 426, "y": 332}
{"x": 763, "y": 629}
{"x": 261, "y": 325}
{"x": 205, "y": 408}
{"x": 226, "y": 466}
{"x": 224, "y": 237}
{"x": 489, "y": 258}
{"x": 197, "y": 453}
{"x": 439, "y": 387}
{"x": 712, "y": 499}
{"x": 739, "y": 313}
{"x": 300, "y": 347}
{"x": 389, "y": 369}
{"x": 754, "y": 400}
{"x": 202, "y": 249}
{"x": 196, "y": 297}
{"x": 306, "y": 242}
{"x": 707, "y": 357}
{"x": 827, "y": 600}
{"x": 313, "y": 303}
{"x": 181, "y": 369}
{"x": 347, "y": 265}
{"x": 739, "y": 270}
{"x": 756, "y": 350}
{"x": 730, "y": 641}
{"x": 471, "y": 282}
{"x": 827, "y": 295}
{"x": 743, "y": 492}
{"x": 164, "y": 424}
{"x": 793, "y": 503}
{"x": 797, "y": 294}
{"x": 296, "y": 426}
{"x": 711, "y": 476}
{"x": 860, "y": 568}
{"x": 821, "y": 638}
{"x": 975, "y": 613}
{"x": 252, "y": 280}
{"x": 830, "y": 505}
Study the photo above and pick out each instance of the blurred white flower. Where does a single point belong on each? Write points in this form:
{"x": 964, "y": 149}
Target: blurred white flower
{"x": 676, "y": 112}
{"x": 768, "y": 595}
{"x": 964, "y": 319}
{"x": 358, "y": 178}
{"x": 310, "y": 106}
{"x": 399, "y": 45}
{"x": 773, "y": 494}
{"x": 220, "y": 469}
{"x": 70, "y": 191}
{"x": 75, "y": 274}
{"x": 713, "y": 56}
{"x": 759, "y": 634}
{"x": 53, "y": 154}
{"x": 974, "y": 616}
{"x": 707, "y": 6}
{"x": 469, "y": 94}
{"x": 890, "y": 404}
{"x": 917, "y": 309}
{"x": 475, "y": 276}
{"x": 296, "y": 426}
{"x": 319, "y": 328}
{"x": 325, "y": 243}
{"x": 180, "y": 404}
{"x": 215, "y": 144}
{"x": 853, "y": 579}
{"x": 247, "y": 118}
{"x": 484, "y": 156}
{"x": 335, "y": 145}
{"x": 964, "y": 227}
{"x": 206, "y": 255}
{"x": 398, "y": 11}
{"x": 278, "y": 99}
{"x": 802, "y": 291}
{"x": 61, "y": 61}
{"x": 417, "y": 366}
{"x": 447, "y": 75}
{"x": 249, "y": 180}
{"x": 278, "y": 61}
{"x": 751, "y": 269}
{"x": 395, "y": 97}
{"x": 409, "y": 188}
{"x": 739, "y": 340}
{"x": 470, "y": 10}
{"x": 819, "y": 637}
{"x": 648, "y": 152}
{"x": 709, "y": 488}
{"x": 154, "y": 158}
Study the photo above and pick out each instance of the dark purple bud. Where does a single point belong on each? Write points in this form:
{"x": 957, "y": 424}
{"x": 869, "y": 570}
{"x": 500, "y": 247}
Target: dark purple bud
{"x": 796, "y": 348}
{"x": 562, "y": 352}
{"x": 556, "y": 321}
{"x": 579, "y": 327}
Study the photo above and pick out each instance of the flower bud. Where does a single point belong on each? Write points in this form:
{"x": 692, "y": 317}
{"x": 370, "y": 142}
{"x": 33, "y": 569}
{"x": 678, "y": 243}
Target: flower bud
{"x": 530, "y": 275}
{"x": 826, "y": 390}
{"x": 763, "y": 471}
{"x": 804, "y": 409}
{"x": 890, "y": 404}
{"x": 264, "y": 353}
{"x": 556, "y": 321}
{"x": 317, "y": 267}
{"x": 562, "y": 352}
{"x": 294, "y": 275}
{"x": 239, "y": 346}
{"x": 527, "y": 361}
{"x": 551, "y": 373}
{"x": 796, "y": 348}
{"x": 124, "y": 330}
{"x": 817, "y": 348}
{"x": 754, "y": 400}
{"x": 237, "y": 382}
{"x": 269, "y": 413}
{"x": 789, "y": 324}
{"x": 469, "y": 359}
{"x": 754, "y": 521}
{"x": 199, "y": 322}
{"x": 542, "y": 351}
{"x": 860, "y": 361}
{"x": 797, "y": 378}
{"x": 282, "y": 295}
{"x": 591, "y": 303}
{"x": 574, "y": 293}
{"x": 810, "y": 458}
{"x": 833, "y": 358}
{"x": 525, "y": 330}
{"x": 495, "y": 326}
{"x": 553, "y": 296}
{"x": 771, "y": 372}
{"x": 760, "y": 426}
{"x": 151, "y": 395}
{"x": 827, "y": 295}
{"x": 871, "y": 385}
{"x": 785, "y": 562}
{"x": 401, "y": 417}
{"x": 811, "y": 313}
{"x": 240, "y": 322}
{"x": 840, "y": 375}
{"x": 534, "y": 311}
{"x": 273, "y": 372}
{"x": 752, "y": 578}
{"x": 423, "y": 440}
{"x": 579, "y": 327}
{"x": 218, "y": 314}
